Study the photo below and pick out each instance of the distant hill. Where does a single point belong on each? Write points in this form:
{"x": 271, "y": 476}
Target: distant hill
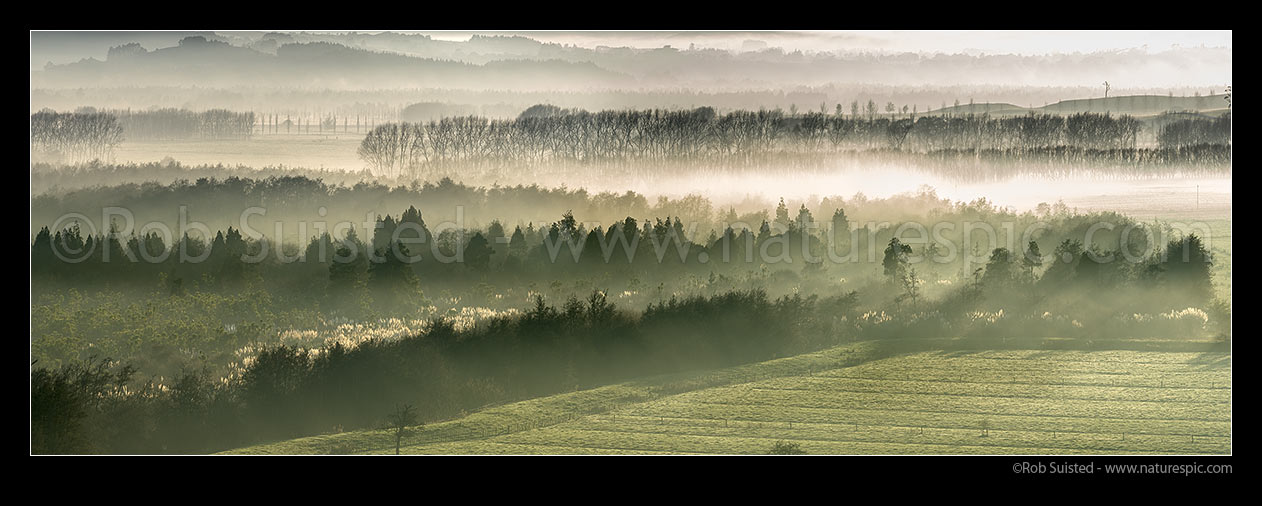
{"x": 65, "y": 47}
{"x": 199, "y": 61}
{"x": 689, "y": 67}
{"x": 992, "y": 109}
{"x": 1134, "y": 105}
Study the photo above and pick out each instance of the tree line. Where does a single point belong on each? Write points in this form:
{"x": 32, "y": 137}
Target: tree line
{"x": 75, "y": 136}
{"x": 1196, "y": 131}
{"x": 543, "y": 134}
{"x": 88, "y": 134}
{"x": 398, "y": 256}
{"x": 178, "y": 124}
{"x": 102, "y": 406}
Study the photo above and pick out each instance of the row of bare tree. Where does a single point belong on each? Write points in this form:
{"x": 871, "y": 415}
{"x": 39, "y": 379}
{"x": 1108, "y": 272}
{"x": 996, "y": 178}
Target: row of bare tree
{"x": 173, "y": 124}
{"x": 75, "y": 136}
{"x": 660, "y": 135}
{"x": 88, "y": 134}
{"x": 1195, "y": 131}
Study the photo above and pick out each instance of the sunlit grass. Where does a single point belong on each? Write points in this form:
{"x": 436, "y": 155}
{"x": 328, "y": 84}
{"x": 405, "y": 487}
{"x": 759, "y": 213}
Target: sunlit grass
{"x": 846, "y": 400}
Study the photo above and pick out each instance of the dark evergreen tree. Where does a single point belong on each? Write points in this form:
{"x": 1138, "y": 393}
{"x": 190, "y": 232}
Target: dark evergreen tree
{"x": 477, "y": 253}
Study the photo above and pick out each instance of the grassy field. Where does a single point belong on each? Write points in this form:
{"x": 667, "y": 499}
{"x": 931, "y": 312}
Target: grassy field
{"x": 850, "y": 400}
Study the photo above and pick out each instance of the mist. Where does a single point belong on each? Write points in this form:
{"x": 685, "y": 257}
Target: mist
{"x": 575, "y": 242}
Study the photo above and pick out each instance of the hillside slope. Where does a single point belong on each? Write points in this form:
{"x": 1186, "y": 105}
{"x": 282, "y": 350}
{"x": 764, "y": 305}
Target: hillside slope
{"x": 863, "y": 398}
{"x": 1134, "y": 105}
